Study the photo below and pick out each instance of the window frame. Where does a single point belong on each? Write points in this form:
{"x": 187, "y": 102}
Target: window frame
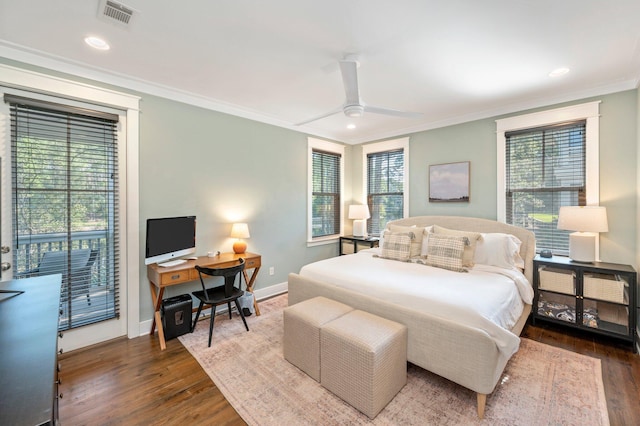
{"x": 586, "y": 111}
{"x": 378, "y": 147}
{"x": 331, "y": 147}
{"x": 91, "y": 137}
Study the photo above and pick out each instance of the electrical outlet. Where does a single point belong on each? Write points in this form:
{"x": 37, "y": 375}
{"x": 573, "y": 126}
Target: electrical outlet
{"x": 272, "y": 270}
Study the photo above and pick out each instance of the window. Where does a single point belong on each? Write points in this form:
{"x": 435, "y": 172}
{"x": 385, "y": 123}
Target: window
{"x": 64, "y": 202}
{"x": 325, "y": 186}
{"x": 547, "y": 165}
{"x": 386, "y": 176}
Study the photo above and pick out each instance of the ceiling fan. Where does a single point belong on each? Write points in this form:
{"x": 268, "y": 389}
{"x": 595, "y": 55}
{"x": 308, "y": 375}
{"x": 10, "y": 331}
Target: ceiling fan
{"x": 353, "y": 106}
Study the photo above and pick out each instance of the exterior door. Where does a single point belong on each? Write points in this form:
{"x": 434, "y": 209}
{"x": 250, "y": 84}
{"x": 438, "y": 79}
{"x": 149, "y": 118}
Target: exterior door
{"x": 60, "y": 212}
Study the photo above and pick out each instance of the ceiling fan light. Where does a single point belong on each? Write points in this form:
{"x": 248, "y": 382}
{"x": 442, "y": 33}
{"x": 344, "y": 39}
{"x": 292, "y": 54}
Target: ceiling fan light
{"x": 354, "y": 110}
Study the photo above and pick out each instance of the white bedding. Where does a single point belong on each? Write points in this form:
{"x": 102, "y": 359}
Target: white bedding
{"x": 486, "y": 297}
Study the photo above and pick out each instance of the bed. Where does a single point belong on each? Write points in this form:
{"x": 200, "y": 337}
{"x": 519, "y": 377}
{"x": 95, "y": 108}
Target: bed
{"x": 466, "y": 345}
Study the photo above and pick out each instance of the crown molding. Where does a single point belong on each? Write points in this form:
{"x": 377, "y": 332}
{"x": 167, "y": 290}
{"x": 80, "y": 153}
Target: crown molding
{"x": 63, "y": 65}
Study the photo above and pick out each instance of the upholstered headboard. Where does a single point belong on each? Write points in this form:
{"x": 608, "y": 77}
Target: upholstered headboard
{"x": 527, "y": 249}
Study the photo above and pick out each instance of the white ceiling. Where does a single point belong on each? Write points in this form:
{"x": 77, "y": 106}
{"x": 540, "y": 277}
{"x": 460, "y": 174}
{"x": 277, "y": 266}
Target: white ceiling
{"x": 276, "y": 61}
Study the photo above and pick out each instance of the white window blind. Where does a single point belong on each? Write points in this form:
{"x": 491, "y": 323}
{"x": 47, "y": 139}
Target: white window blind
{"x": 545, "y": 169}
{"x": 325, "y": 193}
{"x": 65, "y": 204}
{"x": 385, "y": 188}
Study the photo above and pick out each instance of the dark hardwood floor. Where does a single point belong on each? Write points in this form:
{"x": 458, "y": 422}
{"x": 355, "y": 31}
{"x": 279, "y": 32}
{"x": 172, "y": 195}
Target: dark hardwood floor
{"x": 132, "y": 382}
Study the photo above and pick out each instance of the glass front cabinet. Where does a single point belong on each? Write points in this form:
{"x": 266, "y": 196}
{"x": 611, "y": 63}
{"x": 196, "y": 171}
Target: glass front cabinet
{"x": 598, "y": 297}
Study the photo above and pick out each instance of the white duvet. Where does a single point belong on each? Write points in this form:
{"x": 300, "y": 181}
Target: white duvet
{"x": 486, "y": 297}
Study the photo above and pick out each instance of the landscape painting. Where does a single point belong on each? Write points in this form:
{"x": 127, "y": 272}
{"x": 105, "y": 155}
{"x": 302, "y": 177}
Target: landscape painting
{"x": 449, "y": 182}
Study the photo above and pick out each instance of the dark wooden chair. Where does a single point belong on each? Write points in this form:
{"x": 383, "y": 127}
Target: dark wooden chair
{"x": 220, "y": 295}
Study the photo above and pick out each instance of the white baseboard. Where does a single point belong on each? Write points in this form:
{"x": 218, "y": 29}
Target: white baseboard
{"x": 260, "y": 294}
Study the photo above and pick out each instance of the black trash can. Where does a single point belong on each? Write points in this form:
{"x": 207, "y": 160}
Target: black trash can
{"x": 176, "y": 316}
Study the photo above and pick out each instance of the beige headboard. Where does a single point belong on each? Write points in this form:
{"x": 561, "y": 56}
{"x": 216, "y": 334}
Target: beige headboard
{"x": 527, "y": 250}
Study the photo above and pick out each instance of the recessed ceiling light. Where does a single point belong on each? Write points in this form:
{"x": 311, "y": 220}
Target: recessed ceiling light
{"x": 351, "y": 126}
{"x": 558, "y": 72}
{"x": 97, "y": 43}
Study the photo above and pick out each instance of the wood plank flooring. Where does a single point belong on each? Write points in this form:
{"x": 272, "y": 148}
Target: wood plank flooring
{"x": 132, "y": 382}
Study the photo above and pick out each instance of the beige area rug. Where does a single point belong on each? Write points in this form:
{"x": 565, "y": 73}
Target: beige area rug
{"x": 541, "y": 385}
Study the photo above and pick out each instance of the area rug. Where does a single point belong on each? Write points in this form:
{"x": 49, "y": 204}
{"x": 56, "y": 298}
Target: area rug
{"x": 541, "y": 385}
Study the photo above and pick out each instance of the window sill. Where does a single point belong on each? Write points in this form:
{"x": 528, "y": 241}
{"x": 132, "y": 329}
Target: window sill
{"x": 323, "y": 241}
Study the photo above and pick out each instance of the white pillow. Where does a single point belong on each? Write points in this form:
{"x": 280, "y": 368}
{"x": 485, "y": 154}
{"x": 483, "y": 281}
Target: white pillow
{"x": 425, "y": 241}
{"x": 498, "y": 249}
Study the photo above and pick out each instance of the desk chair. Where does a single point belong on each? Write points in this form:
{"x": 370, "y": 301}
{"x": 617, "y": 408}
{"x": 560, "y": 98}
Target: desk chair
{"x": 220, "y": 295}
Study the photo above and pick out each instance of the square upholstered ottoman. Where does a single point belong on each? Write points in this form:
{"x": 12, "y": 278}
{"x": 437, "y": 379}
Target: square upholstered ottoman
{"x": 302, "y": 323}
{"x": 363, "y": 360}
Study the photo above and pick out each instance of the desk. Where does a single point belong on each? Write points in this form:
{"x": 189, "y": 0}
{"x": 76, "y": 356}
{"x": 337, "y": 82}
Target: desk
{"x": 161, "y": 277}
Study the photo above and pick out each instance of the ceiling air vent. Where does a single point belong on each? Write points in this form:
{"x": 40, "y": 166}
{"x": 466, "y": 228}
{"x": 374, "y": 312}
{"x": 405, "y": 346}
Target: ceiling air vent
{"x": 115, "y": 12}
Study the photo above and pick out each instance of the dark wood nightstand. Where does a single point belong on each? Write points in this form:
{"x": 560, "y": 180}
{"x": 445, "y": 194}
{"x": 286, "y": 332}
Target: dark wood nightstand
{"x": 597, "y": 297}
{"x": 350, "y": 244}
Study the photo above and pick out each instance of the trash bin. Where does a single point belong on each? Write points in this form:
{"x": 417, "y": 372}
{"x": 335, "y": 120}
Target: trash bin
{"x": 246, "y": 304}
{"x": 176, "y": 315}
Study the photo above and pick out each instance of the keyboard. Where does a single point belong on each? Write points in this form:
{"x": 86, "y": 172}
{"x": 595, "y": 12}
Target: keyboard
{"x": 172, "y": 263}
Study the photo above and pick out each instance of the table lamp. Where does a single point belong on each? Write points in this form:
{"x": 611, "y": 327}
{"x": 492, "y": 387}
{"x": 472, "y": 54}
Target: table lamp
{"x": 239, "y": 231}
{"x": 359, "y": 212}
{"x": 587, "y": 221}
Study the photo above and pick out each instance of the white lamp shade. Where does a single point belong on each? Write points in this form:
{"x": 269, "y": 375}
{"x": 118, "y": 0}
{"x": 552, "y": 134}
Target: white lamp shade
{"x": 359, "y": 211}
{"x": 240, "y": 230}
{"x": 583, "y": 219}
{"x": 588, "y": 221}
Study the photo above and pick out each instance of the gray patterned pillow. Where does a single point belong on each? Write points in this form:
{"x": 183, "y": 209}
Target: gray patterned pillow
{"x": 446, "y": 252}
{"x": 396, "y": 246}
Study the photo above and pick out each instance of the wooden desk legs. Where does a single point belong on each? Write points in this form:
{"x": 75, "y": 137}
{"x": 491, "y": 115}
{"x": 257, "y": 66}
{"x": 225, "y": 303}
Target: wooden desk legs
{"x": 156, "y": 297}
{"x": 158, "y": 292}
{"x": 250, "y": 282}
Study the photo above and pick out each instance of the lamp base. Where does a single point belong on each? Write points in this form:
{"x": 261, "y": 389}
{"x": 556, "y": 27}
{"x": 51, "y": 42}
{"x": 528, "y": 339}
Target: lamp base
{"x": 239, "y": 247}
{"x": 359, "y": 228}
{"x": 582, "y": 247}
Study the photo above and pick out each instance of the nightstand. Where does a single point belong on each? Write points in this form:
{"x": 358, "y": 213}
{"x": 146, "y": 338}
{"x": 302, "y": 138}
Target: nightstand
{"x": 350, "y": 244}
{"x": 597, "y": 297}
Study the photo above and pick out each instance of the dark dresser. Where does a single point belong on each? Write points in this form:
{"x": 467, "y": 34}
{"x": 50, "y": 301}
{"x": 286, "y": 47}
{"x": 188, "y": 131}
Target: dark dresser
{"x": 28, "y": 351}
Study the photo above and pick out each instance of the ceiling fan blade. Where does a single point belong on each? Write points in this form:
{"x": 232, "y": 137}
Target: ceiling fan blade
{"x": 394, "y": 112}
{"x": 349, "y": 70}
{"x": 335, "y": 111}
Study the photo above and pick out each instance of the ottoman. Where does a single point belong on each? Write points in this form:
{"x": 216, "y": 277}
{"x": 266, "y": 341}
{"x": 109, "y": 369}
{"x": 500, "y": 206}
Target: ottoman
{"x": 363, "y": 360}
{"x": 302, "y": 322}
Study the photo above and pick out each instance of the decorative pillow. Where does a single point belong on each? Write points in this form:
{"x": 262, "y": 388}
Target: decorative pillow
{"x": 469, "y": 250}
{"x": 425, "y": 241}
{"x": 396, "y": 246}
{"x": 416, "y": 242}
{"x": 446, "y": 252}
{"x": 498, "y": 249}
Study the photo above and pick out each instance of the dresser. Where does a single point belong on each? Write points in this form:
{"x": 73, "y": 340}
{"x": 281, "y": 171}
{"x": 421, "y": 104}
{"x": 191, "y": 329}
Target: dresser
{"x": 28, "y": 351}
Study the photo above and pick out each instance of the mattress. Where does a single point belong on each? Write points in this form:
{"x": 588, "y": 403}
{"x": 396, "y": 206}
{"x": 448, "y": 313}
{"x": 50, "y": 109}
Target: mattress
{"x": 488, "y": 298}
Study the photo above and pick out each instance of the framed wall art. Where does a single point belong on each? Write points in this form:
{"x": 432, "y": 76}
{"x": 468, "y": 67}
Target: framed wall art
{"x": 449, "y": 182}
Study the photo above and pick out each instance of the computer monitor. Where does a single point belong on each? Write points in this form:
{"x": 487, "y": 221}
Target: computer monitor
{"x": 169, "y": 238}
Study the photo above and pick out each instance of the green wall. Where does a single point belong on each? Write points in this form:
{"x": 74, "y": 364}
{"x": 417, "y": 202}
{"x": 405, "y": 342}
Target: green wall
{"x": 476, "y": 142}
{"x": 224, "y": 169}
